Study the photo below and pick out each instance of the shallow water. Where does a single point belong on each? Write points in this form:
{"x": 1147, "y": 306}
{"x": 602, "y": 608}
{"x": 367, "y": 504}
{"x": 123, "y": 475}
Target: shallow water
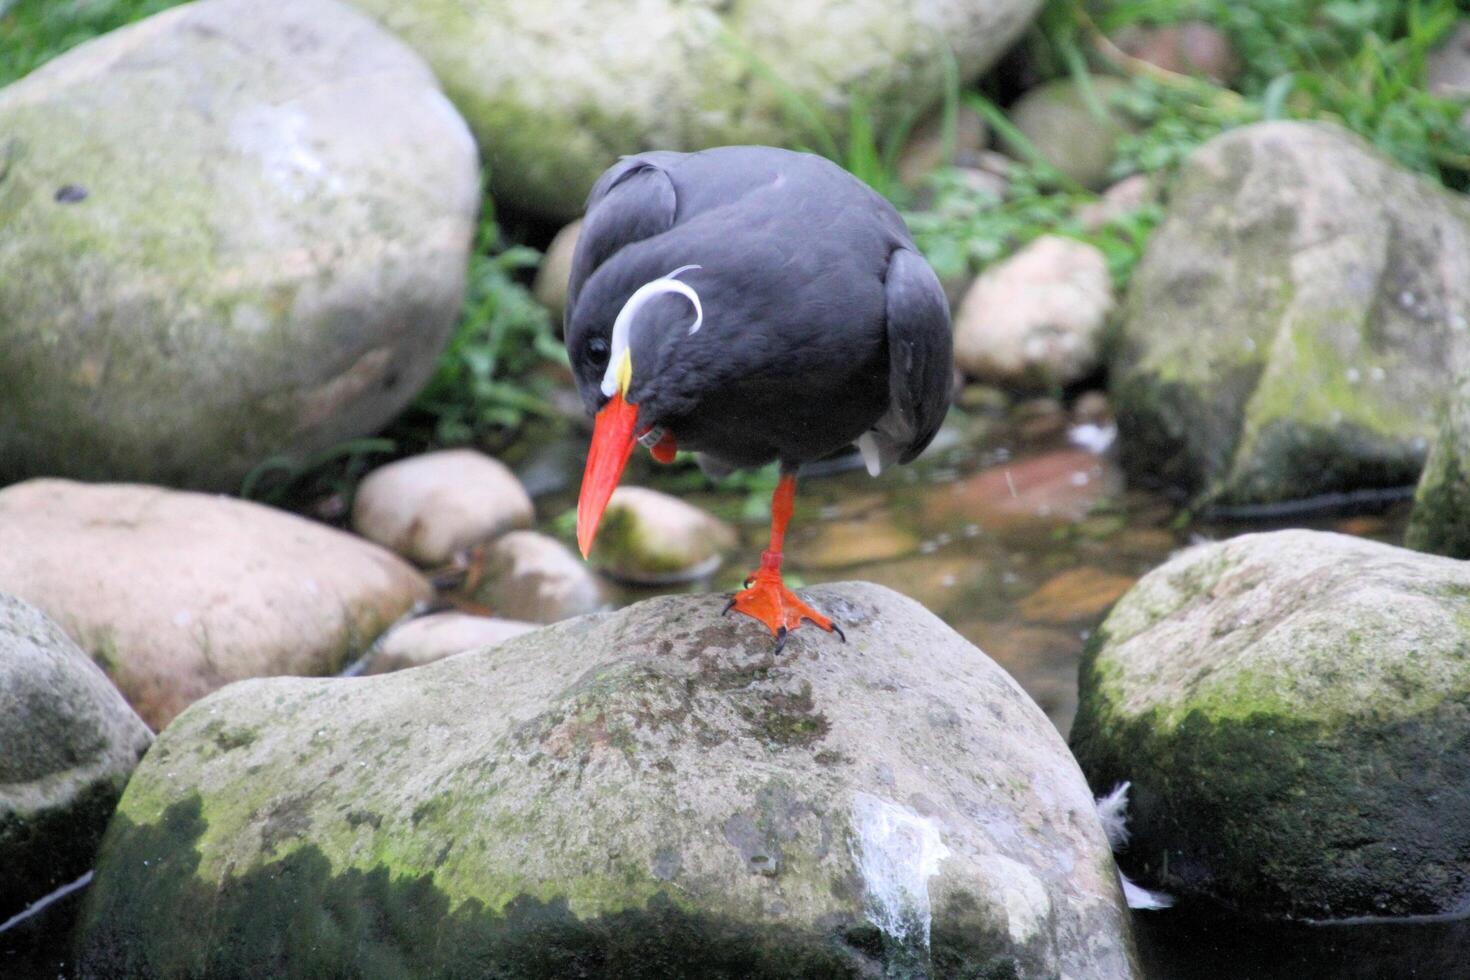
{"x": 1018, "y": 531}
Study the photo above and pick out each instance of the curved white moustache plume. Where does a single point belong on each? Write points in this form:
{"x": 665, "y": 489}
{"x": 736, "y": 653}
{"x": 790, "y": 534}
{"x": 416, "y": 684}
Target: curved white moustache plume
{"x": 623, "y": 325}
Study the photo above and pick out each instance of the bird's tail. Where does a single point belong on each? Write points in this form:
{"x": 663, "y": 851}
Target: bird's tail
{"x": 1112, "y": 811}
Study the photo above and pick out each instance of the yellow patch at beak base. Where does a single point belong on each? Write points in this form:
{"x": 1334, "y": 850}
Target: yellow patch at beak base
{"x": 625, "y": 372}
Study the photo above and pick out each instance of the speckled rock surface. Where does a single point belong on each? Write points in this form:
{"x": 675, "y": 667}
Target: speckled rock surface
{"x": 1293, "y": 710}
{"x": 557, "y": 90}
{"x": 1295, "y": 322}
{"x": 175, "y": 594}
{"x": 642, "y": 793}
{"x": 69, "y": 743}
{"x": 236, "y": 229}
{"x": 428, "y": 507}
{"x": 1440, "y": 521}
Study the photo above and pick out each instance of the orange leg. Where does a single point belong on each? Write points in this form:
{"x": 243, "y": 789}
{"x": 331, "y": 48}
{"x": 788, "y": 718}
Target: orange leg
{"x": 766, "y": 597}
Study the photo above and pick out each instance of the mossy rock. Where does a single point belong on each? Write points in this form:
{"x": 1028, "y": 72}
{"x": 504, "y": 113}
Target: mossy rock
{"x": 1293, "y": 711}
{"x": 1291, "y": 328}
{"x": 1440, "y": 522}
{"x": 69, "y": 743}
{"x": 647, "y": 793}
{"x": 1075, "y": 129}
{"x": 557, "y": 90}
{"x": 233, "y": 230}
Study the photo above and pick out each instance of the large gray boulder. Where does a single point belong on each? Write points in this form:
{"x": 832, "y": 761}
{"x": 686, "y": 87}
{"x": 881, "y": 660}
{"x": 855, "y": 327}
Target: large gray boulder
{"x": 175, "y": 594}
{"x": 557, "y": 90}
{"x": 1440, "y": 521}
{"x": 68, "y": 742}
{"x": 1293, "y": 711}
{"x": 235, "y": 229}
{"x": 643, "y": 793}
{"x": 1295, "y": 322}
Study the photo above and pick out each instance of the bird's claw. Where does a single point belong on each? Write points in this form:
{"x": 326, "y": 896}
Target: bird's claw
{"x": 770, "y": 601}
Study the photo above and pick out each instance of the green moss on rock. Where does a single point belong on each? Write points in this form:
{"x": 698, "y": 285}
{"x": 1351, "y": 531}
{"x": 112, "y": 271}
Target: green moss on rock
{"x": 1293, "y": 711}
{"x": 1292, "y": 322}
{"x": 649, "y": 792}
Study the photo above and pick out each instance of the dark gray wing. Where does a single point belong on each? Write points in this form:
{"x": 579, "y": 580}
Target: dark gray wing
{"x": 920, "y": 362}
{"x": 631, "y": 201}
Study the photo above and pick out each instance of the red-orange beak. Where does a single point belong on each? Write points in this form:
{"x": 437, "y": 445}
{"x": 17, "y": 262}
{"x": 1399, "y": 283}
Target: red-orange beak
{"x": 612, "y": 444}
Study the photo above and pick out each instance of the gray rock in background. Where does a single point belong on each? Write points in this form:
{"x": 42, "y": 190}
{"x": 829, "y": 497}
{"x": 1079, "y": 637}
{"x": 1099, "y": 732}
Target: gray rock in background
{"x": 557, "y": 90}
{"x": 1440, "y": 521}
{"x": 1077, "y": 137}
{"x": 1295, "y": 323}
{"x": 1293, "y": 711}
{"x": 68, "y": 742}
{"x": 175, "y": 594}
{"x": 235, "y": 229}
{"x": 648, "y": 792}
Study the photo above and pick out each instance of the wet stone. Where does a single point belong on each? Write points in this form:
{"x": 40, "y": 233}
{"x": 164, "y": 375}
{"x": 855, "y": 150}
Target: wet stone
{"x": 1051, "y": 490}
{"x": 1075, "y": 595}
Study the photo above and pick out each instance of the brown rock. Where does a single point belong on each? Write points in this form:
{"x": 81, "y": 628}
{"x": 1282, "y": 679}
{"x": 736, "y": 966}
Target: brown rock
{"x": 1074, "y": 596}
{"x": 1126, "y": 196}
{"x": 176, "y": 594}
{"x": 1043, "y": 491}
{"x": 925, "y": 150}
{"x": 1191, "y": 48}
{"x": 839, "y": 544}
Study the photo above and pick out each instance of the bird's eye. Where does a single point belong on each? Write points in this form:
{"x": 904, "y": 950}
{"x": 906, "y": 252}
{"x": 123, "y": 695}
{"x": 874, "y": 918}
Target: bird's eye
{"x": 597, "y": 351}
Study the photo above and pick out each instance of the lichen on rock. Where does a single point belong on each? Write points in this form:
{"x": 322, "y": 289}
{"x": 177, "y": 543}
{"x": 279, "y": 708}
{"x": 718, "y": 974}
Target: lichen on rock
{"x": 1293, "y": 324}
{"x": 650, "y": 786}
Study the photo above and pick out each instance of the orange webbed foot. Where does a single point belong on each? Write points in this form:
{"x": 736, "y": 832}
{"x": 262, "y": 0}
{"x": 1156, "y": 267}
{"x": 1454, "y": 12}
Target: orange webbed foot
{"x": 767, "y": 599}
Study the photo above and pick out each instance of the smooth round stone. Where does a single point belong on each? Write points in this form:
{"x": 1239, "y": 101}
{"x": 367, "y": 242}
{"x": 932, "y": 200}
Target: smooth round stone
{"x": 555, "y": 271}
{"x": 529, "y": 576}
{"x": 428, "y": 508}
{"x": 1037, "y": 318}
{"x": 175, "y": 594}
{"x": 235, "y": 230}
{"x": 652, "y": 538}
{"x": 1068, "y": 131}
{"x": 429, "y": 638}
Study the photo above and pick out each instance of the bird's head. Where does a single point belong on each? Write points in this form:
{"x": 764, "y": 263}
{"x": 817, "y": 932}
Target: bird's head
{"x": 615, "y": 360}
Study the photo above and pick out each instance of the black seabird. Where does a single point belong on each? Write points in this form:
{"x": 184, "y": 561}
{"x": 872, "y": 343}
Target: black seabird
{"x": 751, "y": 304}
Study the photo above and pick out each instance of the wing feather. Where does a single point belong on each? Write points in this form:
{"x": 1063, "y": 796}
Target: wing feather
{"x": 633, "y": 200}
{"x": 920, "y": 358}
